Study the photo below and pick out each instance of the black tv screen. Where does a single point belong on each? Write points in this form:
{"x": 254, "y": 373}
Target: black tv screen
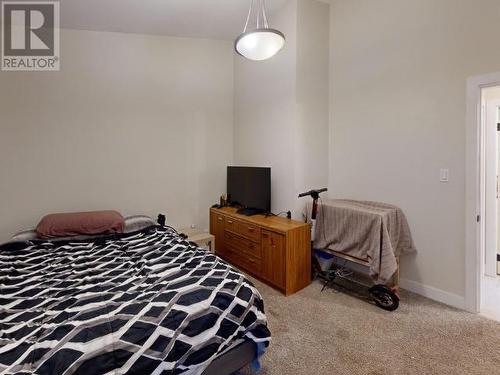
{"x": 250, "y": 187}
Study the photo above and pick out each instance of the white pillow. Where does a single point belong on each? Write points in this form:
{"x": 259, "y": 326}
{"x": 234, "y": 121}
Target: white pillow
{"x": 25, "y": 235}
{"x": 137, "y": 222}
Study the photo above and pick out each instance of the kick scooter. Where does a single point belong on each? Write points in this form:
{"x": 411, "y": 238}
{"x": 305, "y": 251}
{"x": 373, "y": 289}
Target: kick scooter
{"x": 383, "y": 296}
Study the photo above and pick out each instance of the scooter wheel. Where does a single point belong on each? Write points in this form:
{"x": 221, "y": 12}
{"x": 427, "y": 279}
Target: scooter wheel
{"x": 384, "y": 297}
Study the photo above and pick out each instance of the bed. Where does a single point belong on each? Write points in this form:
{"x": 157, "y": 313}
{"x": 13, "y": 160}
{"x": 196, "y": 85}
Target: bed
{"x": 147, "y": 302}
{"x": 368, "y": 233}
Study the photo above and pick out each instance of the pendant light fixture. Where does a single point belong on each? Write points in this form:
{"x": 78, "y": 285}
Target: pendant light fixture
{"x": 260, "y": 42}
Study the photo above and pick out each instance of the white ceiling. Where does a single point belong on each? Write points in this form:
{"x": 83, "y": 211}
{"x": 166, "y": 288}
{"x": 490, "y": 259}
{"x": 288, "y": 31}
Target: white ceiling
{"x": 217, "y": 19}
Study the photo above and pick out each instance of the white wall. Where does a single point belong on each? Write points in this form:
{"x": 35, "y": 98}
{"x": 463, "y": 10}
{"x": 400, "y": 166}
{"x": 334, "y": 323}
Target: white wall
{"x": 281, "y": 106}
{"x": 141, "y": 124}
{"x": 398, "y": 84}
{"x": 313, "y": 101}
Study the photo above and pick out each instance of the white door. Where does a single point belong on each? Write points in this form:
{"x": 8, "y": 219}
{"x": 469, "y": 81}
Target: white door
{"x": 491, "y": 196}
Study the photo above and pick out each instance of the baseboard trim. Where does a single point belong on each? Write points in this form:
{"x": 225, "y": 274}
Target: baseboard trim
{"x": 435, "y": 294}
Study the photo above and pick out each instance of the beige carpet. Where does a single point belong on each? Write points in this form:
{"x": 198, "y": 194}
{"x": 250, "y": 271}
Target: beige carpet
{"x": 334, "y": 333}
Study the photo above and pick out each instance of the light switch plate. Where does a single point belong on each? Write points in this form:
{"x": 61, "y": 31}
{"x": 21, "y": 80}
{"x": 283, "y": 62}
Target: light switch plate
{"x": 444, "y": 175}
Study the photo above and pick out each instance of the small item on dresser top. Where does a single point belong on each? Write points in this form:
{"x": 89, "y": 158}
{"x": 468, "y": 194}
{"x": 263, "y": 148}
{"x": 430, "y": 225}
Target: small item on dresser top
{"x": 288, "y": 214}
{"x": 223, "y": 200}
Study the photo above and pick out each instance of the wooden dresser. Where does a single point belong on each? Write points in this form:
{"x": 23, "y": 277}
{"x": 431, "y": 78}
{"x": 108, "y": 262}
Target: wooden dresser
{"x": 274, "y": 249}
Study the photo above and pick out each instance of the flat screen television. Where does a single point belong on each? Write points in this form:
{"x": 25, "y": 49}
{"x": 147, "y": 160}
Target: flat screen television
{"x": 249, "y": 188}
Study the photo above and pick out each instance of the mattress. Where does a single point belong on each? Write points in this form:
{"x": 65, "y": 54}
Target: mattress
{"x": 144, "y": 303}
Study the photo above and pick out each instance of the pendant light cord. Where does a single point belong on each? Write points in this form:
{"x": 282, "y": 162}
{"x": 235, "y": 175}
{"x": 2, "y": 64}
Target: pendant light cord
{"x": 261, "y": 13}
{"x": 264, "y": 15}
{"x": 248, "y": 17}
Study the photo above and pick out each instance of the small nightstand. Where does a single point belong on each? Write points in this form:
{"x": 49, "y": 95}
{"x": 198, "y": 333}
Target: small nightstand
{"x": 199, "y": 237}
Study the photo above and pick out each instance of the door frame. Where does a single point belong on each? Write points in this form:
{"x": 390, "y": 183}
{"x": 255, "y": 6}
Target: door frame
{"x": 474, "y": 187}
{"x": 490, "y": 112}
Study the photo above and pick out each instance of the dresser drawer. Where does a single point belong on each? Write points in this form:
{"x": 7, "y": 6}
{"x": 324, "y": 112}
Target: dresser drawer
{"x": 244, "y": 261}
{"x": 231, "y": 224}
{"x": 249, "y": 231}
{"x": 242, "y": 245}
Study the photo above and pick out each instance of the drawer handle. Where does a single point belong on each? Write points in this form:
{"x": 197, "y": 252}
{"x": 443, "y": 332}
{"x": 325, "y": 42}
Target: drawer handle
{"x": 219, "y": 218}
{"x": 229, "y": 221}
{"x": 250, "y": 229}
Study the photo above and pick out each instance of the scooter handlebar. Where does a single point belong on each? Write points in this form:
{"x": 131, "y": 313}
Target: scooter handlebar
{"x": 312, "y": 192}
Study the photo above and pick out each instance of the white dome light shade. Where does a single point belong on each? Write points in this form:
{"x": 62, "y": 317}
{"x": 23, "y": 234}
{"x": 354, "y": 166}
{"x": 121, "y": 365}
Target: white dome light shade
{"x": 259, "y": 44}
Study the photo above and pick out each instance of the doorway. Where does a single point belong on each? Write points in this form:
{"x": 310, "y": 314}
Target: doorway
{"x": 482, "y": 285}
{"x": 482, "y": 289}
{"x": 490, "y": 282}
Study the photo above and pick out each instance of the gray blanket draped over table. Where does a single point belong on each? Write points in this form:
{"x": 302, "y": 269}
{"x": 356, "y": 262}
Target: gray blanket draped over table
{"x": 370, "y": 231}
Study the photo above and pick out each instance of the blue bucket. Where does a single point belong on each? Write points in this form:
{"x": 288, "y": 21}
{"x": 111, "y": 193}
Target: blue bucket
{"x": 325, "y": 259}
